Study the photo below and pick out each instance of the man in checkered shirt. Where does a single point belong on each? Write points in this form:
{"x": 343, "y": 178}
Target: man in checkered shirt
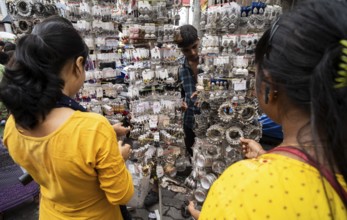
{"x": 187, "y": 40}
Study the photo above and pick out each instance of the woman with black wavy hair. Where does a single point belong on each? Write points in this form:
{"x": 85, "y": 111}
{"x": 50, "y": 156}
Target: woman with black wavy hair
{"x": 301, "y": 82}
{"x": 72, "y": 154}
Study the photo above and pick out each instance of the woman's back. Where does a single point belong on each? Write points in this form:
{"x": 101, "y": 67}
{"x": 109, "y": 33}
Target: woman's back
{"x": 273, "y": 186}
{"x": 78, "y": 166}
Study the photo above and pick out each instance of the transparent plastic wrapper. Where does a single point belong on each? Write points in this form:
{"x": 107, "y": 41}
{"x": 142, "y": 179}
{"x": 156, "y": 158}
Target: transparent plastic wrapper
{"x": 141, "y": 184}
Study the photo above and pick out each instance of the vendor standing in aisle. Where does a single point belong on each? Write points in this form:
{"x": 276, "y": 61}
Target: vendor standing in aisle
{"x": 188, "y": 41}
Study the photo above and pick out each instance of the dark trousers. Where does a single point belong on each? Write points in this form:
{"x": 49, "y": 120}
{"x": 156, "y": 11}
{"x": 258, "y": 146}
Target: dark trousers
{"x": 125, "y": 213}
{"x": 189, "y": 139}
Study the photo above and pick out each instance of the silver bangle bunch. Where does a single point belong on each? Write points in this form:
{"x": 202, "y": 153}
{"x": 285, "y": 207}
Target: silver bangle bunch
{"x": 215, "y": 134}
{"x": 226, "y": 112}
{"x": 233, "y": 135}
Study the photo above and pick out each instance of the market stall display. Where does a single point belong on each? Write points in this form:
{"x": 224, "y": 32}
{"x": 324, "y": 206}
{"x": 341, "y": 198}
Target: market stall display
{"x": 132, "y": 76}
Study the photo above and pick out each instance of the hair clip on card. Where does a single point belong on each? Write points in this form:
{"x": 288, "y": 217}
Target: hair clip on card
{"x": 342, "y": 79}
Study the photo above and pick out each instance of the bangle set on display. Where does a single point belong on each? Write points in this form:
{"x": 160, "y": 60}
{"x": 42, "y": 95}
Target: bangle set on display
{"x": 26, "y": 14}
{"x": 215, "y": 134}
{"x": 233, "y": 135}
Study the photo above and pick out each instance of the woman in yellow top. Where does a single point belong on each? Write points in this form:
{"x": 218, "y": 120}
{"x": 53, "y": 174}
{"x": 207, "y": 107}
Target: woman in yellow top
{"x": 73, "y": 155}
{"x": 301, "y": 83}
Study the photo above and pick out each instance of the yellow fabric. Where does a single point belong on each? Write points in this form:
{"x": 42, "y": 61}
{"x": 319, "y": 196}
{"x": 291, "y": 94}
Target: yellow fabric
{"x": 272, "y": 187}
{"x": 79, "y": 168}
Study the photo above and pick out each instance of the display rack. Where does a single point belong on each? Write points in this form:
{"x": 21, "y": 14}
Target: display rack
{"x": 132, "y": 74}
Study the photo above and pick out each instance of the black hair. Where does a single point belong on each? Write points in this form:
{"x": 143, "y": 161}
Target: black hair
{"x": 4, "y": 57}
{"x": 301, "y": 52}
{"x": 9, "y": 46}
{"x": 10, "y": 54}
{"x": 186, "y": 35}
{"x": 2, "y": 43}
{"x": 32, "y": 83}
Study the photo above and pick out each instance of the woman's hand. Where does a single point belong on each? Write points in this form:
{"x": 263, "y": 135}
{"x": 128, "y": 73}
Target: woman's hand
{"x": 125, "y": 150}
{"x": 251, "y": 148}
{"x": 120, "y": 130}
{"x": 194, "y": 212}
